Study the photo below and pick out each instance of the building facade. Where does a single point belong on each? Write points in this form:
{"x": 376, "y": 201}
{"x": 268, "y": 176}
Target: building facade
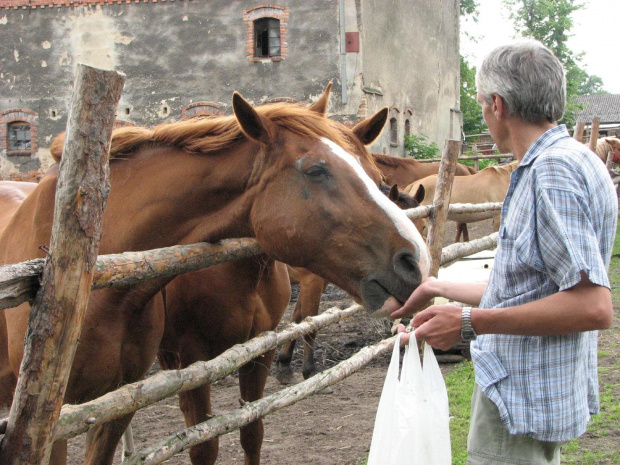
{"x": 185, "y": 58}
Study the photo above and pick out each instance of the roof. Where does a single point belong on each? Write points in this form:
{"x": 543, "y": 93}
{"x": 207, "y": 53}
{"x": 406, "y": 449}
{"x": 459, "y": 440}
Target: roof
{"x": 605, "y": 106}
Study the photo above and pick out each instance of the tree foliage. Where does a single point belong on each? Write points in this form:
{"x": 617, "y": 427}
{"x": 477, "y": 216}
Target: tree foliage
{"x": 550, "y": 21}
{"x": 472, "y": 116}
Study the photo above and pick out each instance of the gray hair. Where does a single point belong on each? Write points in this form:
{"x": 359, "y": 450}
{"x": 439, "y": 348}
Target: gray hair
{"x": 530, "y": 79}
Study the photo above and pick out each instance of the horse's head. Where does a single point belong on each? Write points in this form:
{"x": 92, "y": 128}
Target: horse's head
{"x": 614, "y": 144}
{"x": 317, "y": 203}
{"x": 405, "y": 202}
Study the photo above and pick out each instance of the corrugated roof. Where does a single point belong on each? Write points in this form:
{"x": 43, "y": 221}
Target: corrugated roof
{"x": 605, "y": 106}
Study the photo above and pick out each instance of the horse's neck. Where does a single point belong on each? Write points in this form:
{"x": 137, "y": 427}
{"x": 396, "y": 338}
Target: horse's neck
{"x": 165, "y": 197}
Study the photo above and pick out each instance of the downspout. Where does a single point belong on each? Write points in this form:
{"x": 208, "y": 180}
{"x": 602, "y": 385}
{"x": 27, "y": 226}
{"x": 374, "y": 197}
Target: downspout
{"x": 343, "y": 55}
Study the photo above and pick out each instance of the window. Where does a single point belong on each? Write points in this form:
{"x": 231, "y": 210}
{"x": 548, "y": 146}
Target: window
{"x": 202, "y": 109}
{"x": 267, "y": 32}
{"x": 18, "y": 136}
{"x": 407, "y": 128}
{"x": 18, "y": 132}
{"x": 393, "y": 131}
{"x": 267, "y": 38}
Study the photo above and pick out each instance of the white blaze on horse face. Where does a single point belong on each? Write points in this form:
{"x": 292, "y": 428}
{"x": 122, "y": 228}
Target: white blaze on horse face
{"x": 403, "y": 224}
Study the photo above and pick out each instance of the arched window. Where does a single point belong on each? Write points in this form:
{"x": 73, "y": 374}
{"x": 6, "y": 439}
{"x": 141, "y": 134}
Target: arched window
{"x": 267, "y": 32}
{"x": 18, "y": 129}
{"x": 267, "y": 38}
{"x": 393, "y": 131}
{"x": 18, "y": 136}
{"x": 202, "y": 109}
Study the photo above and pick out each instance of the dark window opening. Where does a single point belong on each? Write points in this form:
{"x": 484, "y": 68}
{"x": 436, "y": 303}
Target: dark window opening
{"x": 393, "y": 131}
{"x": 18, "y": 136}
{"x": 407, "y": 127}
{"x": 267, "y": 38}
{"x": 127, "y": 111}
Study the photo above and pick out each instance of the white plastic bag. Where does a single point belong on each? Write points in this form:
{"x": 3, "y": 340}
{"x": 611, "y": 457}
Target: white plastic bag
{"x": 412, "y": 422}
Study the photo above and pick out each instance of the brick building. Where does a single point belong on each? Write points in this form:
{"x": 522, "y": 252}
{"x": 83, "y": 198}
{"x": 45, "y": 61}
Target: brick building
{"x": 186, "y": 57}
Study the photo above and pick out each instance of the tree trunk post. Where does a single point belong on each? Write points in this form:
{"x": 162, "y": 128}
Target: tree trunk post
{"x": 441, "y": 202}
{"x": 596, "y": 121}
{"x": 58, "y": 309}
{"x": 578, "y": 131}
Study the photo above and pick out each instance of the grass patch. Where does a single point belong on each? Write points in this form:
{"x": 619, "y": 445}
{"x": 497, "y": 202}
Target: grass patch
{"x": 460, "y": 386}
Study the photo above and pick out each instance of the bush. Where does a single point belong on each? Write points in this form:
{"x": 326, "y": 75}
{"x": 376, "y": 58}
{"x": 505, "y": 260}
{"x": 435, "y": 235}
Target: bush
{"x": 418, "y": 147}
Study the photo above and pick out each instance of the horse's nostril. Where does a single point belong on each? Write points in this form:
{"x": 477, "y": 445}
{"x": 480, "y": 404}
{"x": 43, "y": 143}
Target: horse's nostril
{"x": 406, "y": 263}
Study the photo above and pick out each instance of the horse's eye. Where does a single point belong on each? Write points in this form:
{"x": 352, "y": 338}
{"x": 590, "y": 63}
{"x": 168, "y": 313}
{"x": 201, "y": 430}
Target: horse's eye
{"x": 317, "y": 172}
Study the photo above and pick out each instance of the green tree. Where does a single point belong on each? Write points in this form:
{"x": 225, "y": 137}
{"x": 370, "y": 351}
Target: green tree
{"x": 472, "y": 116}
{"x": 550, "y": 21}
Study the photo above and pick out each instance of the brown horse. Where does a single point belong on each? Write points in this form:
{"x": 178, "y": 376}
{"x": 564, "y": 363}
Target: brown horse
{"x": 404, "y": 171}
{"x": 210, "y": 310}
{"x": 606, "y": 145}
{"x": 487, "y": 185}
{"x": 311, "y": 288}
{"x": 207, "y": 180}
{"x": 12, "y": 194}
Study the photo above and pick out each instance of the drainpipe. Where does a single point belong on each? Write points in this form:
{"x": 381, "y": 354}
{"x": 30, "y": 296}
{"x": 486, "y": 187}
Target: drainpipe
{"x": 343, "y": 55}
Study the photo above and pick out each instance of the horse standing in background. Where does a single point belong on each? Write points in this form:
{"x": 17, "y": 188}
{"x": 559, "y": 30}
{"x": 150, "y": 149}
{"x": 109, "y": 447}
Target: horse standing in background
{"x": 606, "y": 145}
{"x": 487, "y": 185}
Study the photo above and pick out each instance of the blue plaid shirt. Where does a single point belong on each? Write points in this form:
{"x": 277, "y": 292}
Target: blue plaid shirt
{"x": 558, "y": 219}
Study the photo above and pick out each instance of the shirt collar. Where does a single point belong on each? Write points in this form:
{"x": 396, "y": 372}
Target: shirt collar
{"x": 547, "y": 139}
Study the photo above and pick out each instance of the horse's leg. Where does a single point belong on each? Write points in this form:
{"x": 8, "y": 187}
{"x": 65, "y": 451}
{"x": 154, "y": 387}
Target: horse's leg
{"x": 59, "y": 453}
{"x": 196, "y": 408}
{"x": 252, "y": 379}
{"x": 465, "y": 233}
{"x": 101, "y": 440}
{"x": 195, "y": 404}
{"x": 459, "y": 230}
{"x": 284, "y": 372}
{"x": 311, "y": 303}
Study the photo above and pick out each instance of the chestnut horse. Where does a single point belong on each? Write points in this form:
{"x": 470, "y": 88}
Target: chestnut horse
{"x": 606, "y": 145}
{"x": 12, "y": 194}
{"x": 311, "y": 288}
{"x": 404, "y": 171}
{"x": 207, "y": 180}
{"x": 487, "y": 185}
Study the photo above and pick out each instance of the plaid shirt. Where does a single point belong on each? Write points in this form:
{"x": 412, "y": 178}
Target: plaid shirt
{"x": 558, "y": 219}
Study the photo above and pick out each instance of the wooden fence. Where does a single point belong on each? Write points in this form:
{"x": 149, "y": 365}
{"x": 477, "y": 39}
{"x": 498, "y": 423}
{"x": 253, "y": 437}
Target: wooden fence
{"x": 19, "y": 283}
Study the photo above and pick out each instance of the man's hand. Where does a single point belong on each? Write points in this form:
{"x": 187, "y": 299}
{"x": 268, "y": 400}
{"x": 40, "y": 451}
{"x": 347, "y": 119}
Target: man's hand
{"x": 438, "y": 325}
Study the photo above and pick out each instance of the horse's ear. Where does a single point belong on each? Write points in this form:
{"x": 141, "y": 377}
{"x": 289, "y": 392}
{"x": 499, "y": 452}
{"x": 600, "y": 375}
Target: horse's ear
{"x": 369, "y": 129}
{"x": 420, "y": 193}
{"x": 393, "y": 196}
{"x": 252, "y": 124}
{"x": 320, "y": 106}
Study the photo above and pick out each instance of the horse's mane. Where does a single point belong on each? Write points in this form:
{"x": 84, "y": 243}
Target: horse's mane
{"x": 390, "y": 160}
{"x": 212, "y": 134}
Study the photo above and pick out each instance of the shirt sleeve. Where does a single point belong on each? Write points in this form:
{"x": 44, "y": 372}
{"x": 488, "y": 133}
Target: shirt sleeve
{"x": 568, "y": 242}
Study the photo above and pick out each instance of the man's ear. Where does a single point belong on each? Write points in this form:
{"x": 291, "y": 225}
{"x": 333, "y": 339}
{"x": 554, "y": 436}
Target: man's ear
{"x": 498, "y": 106}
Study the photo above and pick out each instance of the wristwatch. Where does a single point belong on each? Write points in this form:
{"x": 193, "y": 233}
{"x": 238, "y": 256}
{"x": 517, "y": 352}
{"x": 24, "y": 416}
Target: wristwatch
{"x": 467, "y": 332}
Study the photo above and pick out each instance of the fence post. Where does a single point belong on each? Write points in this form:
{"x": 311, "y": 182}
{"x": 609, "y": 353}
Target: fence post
{"x": 441, "y": 202}
{"x": 578, "y": 131}
{"x": 476, "y": 160}
{"x": 596, "y": 121}
{"x": 58, "y": 309}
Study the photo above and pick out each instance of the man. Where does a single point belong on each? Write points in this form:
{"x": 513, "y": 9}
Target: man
{"x": 534, "y": 324}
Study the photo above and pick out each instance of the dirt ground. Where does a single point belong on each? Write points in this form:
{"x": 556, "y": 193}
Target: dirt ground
{"x": 330, "y": 429}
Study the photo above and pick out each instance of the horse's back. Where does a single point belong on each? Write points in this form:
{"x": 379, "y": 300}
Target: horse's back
{"x": 12, "y": 194}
